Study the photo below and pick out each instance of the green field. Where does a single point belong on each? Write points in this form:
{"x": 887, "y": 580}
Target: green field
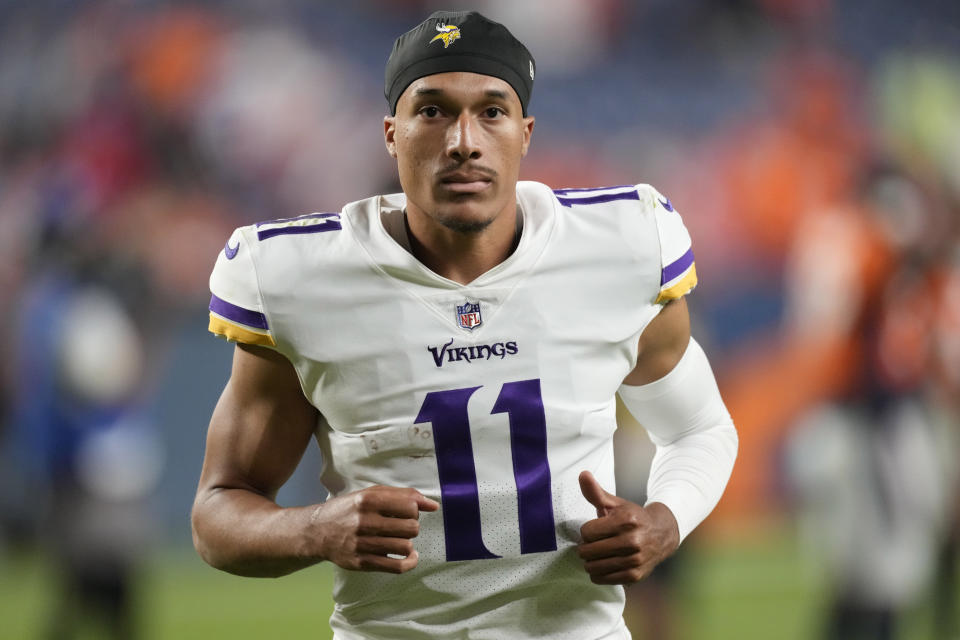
{"x": 739, "y": 590}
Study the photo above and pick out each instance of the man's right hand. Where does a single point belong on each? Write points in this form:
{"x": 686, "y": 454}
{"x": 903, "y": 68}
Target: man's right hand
{"x": 363, "y": 529}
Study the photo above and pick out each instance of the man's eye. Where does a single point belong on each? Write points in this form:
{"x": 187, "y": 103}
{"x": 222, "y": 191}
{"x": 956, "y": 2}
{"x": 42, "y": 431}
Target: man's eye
{"x": 494, "y": 112}
{"x": 430, "y": 112}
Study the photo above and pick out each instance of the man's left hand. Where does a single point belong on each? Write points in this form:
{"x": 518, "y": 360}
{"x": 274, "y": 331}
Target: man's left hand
{"x": 626, "y": 541}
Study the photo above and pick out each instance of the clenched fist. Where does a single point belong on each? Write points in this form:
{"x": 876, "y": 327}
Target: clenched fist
{"x": 626, "y": 541}
{"x": 371, "y": 529}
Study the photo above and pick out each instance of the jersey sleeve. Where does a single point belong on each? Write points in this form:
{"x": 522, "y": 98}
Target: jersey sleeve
{"x": 678, "y": 272}
{"x": 236, "y": 307}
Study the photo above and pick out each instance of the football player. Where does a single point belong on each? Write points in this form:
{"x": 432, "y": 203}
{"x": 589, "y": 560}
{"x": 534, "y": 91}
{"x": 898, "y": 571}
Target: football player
{"x": 455, "y": 349}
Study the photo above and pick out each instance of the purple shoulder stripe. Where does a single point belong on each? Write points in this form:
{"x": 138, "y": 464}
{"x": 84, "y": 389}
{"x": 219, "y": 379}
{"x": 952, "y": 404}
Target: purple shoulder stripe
{"x": 238, "y": 314}
{"x": 306, "y": 216}
{"x": 677, "y": 267}
{"x": 560, "y": 192}
{"x": 328, "y": 222}
{"x": 603, "y": 197}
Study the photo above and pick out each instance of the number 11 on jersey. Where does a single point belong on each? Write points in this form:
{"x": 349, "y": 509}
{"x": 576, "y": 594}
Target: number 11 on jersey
{"x": 459, "y": 494}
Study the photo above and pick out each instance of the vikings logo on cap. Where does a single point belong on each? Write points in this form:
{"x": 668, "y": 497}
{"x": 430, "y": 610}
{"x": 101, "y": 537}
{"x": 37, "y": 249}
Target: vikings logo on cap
{"x": 448, "y": 33}
{"x": 468, "y": 315}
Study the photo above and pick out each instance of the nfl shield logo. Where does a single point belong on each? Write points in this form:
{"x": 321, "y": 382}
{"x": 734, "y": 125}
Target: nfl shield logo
{"x": 468, "y": 315}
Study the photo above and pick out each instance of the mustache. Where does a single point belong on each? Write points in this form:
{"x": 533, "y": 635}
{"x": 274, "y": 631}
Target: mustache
{"x": 477, "y": 169}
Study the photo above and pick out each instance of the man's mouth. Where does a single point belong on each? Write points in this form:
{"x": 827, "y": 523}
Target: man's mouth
{"x": 465, "y": 182}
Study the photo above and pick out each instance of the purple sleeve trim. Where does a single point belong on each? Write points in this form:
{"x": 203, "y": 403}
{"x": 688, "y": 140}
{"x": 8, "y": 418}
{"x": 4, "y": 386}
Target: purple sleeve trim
{"x": 676, "y": 267}
{"x": 238, "y": 314}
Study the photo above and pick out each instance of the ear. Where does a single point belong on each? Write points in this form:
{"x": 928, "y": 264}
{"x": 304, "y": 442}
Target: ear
{"x": 527, "y": 134}
{"x": 389, "y": 133}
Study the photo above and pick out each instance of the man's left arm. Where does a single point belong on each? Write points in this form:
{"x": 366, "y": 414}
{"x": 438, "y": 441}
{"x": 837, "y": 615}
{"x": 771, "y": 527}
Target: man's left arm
{"x": 673, "y": 394}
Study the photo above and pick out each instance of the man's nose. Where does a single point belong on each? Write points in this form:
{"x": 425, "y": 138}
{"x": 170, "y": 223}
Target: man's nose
{"x": 463, "y": 139}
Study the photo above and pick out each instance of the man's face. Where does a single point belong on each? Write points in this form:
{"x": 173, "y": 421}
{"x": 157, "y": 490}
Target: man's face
{"x": 458, "y": 138}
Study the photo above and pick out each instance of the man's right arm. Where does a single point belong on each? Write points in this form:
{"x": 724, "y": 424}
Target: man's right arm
{"x": 258, "y": 433}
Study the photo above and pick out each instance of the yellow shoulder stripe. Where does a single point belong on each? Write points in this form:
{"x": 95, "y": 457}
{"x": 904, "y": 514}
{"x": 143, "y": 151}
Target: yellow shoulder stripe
{"x": 237, "y": 333}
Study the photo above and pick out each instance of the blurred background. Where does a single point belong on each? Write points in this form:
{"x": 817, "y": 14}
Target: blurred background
{"x": 813, "y": 147}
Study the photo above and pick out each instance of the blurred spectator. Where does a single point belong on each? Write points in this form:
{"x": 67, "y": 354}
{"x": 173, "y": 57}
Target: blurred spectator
{"x": 869, "y": 465}
{"x": 89, "y": 453}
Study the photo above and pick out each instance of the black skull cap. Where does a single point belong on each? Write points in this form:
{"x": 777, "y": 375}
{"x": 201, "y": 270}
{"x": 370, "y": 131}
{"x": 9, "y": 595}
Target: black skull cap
{"x": 458, "y": 41}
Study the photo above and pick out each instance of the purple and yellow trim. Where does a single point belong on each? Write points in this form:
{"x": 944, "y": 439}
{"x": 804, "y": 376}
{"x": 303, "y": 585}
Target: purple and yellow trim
{"x": 678, "y": 278}
{"x": 239, "y": 324}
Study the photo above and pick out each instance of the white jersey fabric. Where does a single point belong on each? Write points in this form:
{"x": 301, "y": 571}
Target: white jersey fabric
{"x": 489, "y": 397}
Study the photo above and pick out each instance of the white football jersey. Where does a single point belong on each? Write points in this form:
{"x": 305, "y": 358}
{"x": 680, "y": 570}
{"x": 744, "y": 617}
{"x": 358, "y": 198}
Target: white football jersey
{"x": 489, "y": 397}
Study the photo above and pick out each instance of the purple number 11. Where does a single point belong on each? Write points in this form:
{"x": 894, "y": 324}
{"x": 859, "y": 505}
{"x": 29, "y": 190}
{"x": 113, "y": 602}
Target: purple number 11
{"x": 523, "y": 404}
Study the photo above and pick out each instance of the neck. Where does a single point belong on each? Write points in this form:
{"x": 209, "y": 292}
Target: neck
{"x": 463, "y": 257}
